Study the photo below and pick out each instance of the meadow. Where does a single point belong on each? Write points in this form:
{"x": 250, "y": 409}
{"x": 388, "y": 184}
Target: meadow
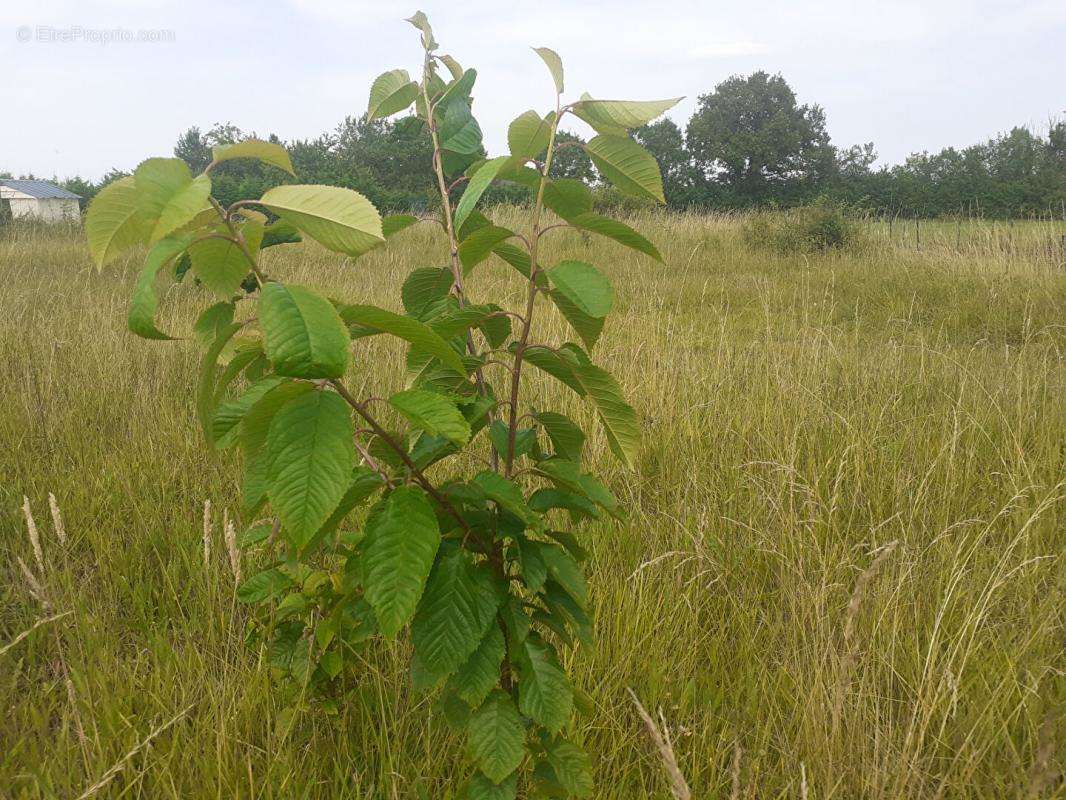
{"x": 841, "y": 575}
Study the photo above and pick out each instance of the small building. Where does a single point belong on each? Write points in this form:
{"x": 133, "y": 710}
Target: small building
{"x": 39, "y": 200}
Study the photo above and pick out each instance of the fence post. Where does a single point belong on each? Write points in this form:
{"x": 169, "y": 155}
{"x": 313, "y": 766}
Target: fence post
{"x": 917, "y": 235}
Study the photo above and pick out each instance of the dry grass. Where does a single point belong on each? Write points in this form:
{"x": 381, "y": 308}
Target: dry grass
{"x": 801, "y": 414}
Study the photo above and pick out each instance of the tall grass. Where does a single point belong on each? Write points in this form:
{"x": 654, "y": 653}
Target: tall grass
{"x": 841, "y": 575}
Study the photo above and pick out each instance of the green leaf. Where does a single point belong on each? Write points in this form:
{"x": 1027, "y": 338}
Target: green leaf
{"x": 528, "y": 135}
{"x": 476, "y": 247}
{"x": 182, "y": 207}
{"x": 534, "y": 568}
{"x": 158, "y": 181}
{"x": 394, "y": 223}
{"x": 555, "y": 65}
{"x": 406, "y": 328}
{"x": 401, "y": 541}
{"x": 228, "y": 416}
{"x": 424, "y": 286}
{"x": 433, "y": 413}
{"x": 619, "y": 420}
{"x": 279, "y": 233}
{"x": 504, "y": 493}
{"x": 113, "y": 222}
{"x": 483, "y": 788}
{"x": 544, "y": 693}
{"x": 255, "y": 428}
{"x": 141, "y": 319}
{"x": 523, "y": 441}
{"x": 263, "y": 585}
{"x": 311, "y": 456}
{"x": 583, "y": 295}
{"x": 211, "y": 320}
{"x": 268, "y": 152}
{"x": 479, "y": 182}
{"x": 481, "y": 672}
{"x": 459, "y": 131}
{"x": 457, "y": 607}
{"x": 565, "y": 571}
{"x": 459, "y": 89}
{"x": 205, "y": 390}
{"x": 546, "y": 359}
{"x": 341, "y": 220}
{"x": 566, "y": 437}
{"x": 515, "y": 256}
{"x": 453, "y": 66}
{"x": 571, "y": 767}
{"x": 419, "y": 21}
{"x": 613, "y": 229}
{"x": 617, "y": 116}
{"x": 221, "y": 264}
{"x": 303, "y": 335}
{"x": 567, "y": 197}
{"x": 544, "y": 500}
{"x": 391, "y": 93}
{"x": 627, "y": 165}
{"x": 496, "y": 739}
{"x": 364, "y": 483}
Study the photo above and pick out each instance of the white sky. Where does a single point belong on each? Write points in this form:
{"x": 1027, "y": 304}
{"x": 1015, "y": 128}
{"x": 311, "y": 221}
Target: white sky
{"x": 905, "y": 74}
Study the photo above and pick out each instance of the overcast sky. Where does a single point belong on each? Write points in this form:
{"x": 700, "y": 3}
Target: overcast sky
{"x": 909, "y": 75}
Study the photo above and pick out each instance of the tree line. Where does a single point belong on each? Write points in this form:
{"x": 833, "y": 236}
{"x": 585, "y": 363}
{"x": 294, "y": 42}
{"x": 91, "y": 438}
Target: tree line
{"x": 749, "y": 144}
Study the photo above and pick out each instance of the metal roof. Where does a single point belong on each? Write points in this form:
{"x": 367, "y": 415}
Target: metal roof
{"x": 40, "y": 189}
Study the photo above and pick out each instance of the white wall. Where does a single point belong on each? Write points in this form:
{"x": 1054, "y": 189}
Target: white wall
{"x": 49, "y": 209}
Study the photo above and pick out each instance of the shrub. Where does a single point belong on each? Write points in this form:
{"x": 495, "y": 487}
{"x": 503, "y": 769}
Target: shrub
{"x": 820, "y": 227}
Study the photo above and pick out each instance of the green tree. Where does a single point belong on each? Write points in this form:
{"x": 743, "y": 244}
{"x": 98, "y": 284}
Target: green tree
{"x": 752, "y": 138}
{"x": 665, "y": 140}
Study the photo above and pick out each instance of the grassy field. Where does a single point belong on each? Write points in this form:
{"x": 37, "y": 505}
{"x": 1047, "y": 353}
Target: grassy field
{"x": 841, "y": 577}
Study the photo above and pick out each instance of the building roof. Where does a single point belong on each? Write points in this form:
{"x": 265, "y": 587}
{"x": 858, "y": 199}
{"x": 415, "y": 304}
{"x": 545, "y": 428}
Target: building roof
{"x": 40, "y": 189}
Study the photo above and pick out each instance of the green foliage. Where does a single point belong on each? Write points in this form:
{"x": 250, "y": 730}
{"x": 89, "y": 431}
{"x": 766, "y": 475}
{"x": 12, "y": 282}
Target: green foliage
{"x": 476, "y": 565}
{"x": 819, "y": 227}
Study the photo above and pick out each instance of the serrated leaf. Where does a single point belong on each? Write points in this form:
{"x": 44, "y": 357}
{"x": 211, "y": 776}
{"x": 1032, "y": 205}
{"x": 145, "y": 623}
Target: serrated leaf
{"x": 613, "y": 229}
{"x": 504, "y": 493}
{"x": 534, "y": 568}
{"x": 524, "y": 439}
{"x": 394, "y": 223}
{"x": 571, "y": 767}
{"x": 255, "y": 426}
{"x": 391, "y": 93}
{"x": 182, "y": 207}
{"x": 221, "y": 264}
{"x": 618, "y": 116}
{"x": 476, "y": 247}
{"x": 402, "y": 537}
{"x": 619, "y": 420}
{"x": 419, "y": 20}
{"x": 158, "y": 181}
{"x": 496, "y": 739}
{"x": 433, "y": 413}
{"x": 303, "y": 335}
{"x": 279, "y": 232}
{"x": 141, "y": 318}
{"x": 528, "y": 135}
{"x": 113, "y": 222}
{"x": 584, "y": 296}
{"x": 567, "y": 197}
{"x": 228, "y": 416}
{"x": 546, "y": 359}
{"x": 566, "y": 437}
{"x": 456, "y": 609}
{"x": 311, "y": 456}
{"x": 544, "y": 693}
{"x": 482, "y": 787}
{"x": 479, "y": 182}
{"x": 263, "y": 585}
{"x": 459, "y": 131}
{"x": 205, "y": 389}
{"x": 270, "y": 153}
{"x": 627, "y": 165}
{"x": 565, "y": 571}
{"x": 339, "y": 219}
{"x": 406, "y": 328}
{"x": 424, "y": 286}
{"x": 554, "y": 64}
{"x": 481, "y": 672}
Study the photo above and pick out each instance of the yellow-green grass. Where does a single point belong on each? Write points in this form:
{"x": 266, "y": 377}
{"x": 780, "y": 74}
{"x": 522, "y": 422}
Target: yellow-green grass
{"x": 800, "y": 415}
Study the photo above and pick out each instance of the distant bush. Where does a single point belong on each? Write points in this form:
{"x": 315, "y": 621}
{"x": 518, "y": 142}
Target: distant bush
{"x": 820, "y": 227}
